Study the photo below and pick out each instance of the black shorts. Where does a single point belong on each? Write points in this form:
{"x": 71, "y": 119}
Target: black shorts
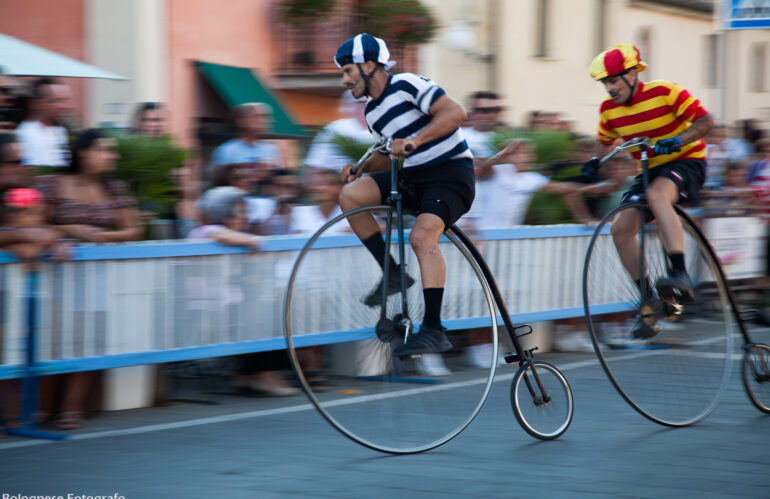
{"x": 687, "y": 174}
{"x": 446, "y": 190}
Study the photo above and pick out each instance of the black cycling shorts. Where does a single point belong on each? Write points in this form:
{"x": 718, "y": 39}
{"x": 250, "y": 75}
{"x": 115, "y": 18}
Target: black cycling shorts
{"x": 446, "y": 190}
{"x": 687, "y": 174}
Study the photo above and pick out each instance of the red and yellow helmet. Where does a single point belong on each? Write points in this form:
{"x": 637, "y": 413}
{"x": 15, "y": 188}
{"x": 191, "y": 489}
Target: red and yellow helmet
{"x": 616, "y": 60}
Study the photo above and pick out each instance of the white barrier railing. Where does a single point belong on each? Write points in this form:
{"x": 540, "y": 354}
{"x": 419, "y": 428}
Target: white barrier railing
{"x": 119, "y": 305}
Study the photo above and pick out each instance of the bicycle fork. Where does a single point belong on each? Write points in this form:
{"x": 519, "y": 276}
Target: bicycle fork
{"x": 403, "y": 322}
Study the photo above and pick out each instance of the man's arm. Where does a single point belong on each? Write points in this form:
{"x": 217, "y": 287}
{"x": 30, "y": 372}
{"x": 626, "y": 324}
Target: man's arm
{"x": 446, "y": 114}
{"x": 375, "y": 163}
{"x": 484, "y": 167}
{"x": 38, "y": 235}
{"x": 561, "y": 188}
{"x": 697, "y": 130}
{"x": 601, "y": 149}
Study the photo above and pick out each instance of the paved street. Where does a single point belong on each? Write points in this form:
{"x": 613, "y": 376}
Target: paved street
{"x": 248, "y": 447}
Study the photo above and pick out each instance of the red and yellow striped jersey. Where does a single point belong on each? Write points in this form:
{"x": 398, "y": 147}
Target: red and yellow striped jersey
{"x": 659, "y": 110}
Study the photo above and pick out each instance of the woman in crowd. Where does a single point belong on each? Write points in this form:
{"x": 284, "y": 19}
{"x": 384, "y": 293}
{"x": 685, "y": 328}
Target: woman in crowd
{"x": 86, "y": 205}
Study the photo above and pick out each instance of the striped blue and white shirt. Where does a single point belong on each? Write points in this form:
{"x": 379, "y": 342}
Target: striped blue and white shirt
{"x": 403, "y": 110}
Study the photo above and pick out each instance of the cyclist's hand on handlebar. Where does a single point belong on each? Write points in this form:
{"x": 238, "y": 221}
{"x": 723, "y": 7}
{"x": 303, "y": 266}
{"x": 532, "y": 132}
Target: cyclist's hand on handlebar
{"x": 590, "y": 169}
{"x": 347, "y": 176}
{"x": 667, "y": 146}
{"x": 402, "y": 147}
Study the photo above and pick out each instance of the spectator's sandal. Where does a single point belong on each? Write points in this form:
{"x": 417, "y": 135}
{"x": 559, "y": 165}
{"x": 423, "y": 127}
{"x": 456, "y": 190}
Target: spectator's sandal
{"x": 70, "y": 420}
{"x": 318, "y": 383}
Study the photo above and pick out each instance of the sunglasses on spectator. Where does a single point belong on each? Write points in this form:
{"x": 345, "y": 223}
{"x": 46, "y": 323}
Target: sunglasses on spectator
{"x": 488, "y": 110}
{"x": 11, "y": 162}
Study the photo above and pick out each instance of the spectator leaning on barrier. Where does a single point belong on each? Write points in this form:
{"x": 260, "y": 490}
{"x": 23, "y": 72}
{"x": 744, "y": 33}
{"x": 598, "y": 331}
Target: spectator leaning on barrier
{"x": 43, "y": 137}
{"x": 224, "y": 212}
{"x": 23, "y": 208}
{"x": 85, "y": 205}
{"x": 13, "y": 174}
{"x": 83, "y": 202}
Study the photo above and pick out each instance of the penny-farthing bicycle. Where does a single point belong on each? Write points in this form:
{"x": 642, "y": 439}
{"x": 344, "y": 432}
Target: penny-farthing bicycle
{"x": 385, "y": 402}
{"x": 677, "y": 377}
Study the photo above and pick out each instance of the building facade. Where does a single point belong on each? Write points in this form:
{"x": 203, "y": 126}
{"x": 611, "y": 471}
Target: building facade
{"x": 535, "y": 53}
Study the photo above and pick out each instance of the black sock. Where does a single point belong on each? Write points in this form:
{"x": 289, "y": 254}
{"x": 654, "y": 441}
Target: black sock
{"x": 677, "y": 263}
{"x": 433, "y": 297}
{"x": 376, "y": 246}
{"x": 647, "y": 292}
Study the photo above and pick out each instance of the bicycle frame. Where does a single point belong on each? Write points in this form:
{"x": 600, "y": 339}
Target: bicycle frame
{"x": 521, "y": 355}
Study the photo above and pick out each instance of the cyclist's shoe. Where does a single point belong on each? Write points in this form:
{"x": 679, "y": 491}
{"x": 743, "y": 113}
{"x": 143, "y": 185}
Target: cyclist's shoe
{"x": 374, "y": 298}
{"x": 427, "y": 340}
{"x": 646, "y": 325}
{"x": 677, "y": 288}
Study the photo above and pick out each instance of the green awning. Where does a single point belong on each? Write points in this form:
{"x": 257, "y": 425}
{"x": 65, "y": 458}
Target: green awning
{"x": 241, "y": 85}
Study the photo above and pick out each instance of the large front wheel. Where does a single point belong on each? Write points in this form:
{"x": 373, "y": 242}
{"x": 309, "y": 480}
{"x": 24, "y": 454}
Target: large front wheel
{"x": 677, "y": 376}
{"x": 378, "y": 400}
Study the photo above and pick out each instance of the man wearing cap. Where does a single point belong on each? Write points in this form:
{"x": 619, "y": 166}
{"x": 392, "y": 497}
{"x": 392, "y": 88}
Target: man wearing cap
{"x": 675, "y": 121}
{"x": 438, "y": 167}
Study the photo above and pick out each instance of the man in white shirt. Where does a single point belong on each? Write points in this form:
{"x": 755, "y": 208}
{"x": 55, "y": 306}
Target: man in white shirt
{"x": 323, "y": 153}
{"x": 252, "y": 121}
{"x": 249, "y": 148}
{"x": 43, "y": 139}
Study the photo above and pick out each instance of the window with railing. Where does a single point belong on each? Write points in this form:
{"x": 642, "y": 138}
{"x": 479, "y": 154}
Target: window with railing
{"x": 711, "y": 59}
{"x": 601, "y": 26}
{"x": 541, "y": 28}
{"x": 758, "y": 67}
{"x": 310, "y": 47}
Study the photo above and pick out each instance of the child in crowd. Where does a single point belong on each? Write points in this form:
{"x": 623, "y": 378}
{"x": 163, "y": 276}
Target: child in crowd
{"x": 24, "y": 208}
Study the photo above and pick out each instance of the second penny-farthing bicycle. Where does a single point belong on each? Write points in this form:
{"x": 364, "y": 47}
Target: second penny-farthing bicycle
{"x": 382, "y": 401}
{"x": 677, "y": 377}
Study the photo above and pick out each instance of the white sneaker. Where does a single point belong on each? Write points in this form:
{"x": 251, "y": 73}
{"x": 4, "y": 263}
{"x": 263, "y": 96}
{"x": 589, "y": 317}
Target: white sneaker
{"x": 573, "y": 341}
{"x": 431, "y": 364}
{"x": 481, "y": 355}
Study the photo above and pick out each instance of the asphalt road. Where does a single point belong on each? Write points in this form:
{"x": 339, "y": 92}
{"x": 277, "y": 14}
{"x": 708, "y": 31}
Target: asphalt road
{"x": 252, "y": 447}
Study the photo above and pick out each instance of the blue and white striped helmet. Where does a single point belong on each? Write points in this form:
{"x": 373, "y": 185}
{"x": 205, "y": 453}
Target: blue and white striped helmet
{"x": 363, "y": 47}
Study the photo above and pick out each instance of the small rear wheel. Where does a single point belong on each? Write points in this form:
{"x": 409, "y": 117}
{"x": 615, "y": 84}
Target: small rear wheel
{"x": 541, "y": 400}
{"x": 756, "y": 376}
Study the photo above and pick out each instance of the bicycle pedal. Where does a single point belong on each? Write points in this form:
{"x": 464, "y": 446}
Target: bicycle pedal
{"x": 512, "y": 357}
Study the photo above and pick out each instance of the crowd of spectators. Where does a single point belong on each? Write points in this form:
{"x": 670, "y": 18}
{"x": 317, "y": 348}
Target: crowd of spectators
{"x": 58, "y": 189}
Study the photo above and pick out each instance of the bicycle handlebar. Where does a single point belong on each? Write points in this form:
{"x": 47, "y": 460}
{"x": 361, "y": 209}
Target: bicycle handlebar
{"x": 385, "y": 141}
{"x": 630, "y": 144}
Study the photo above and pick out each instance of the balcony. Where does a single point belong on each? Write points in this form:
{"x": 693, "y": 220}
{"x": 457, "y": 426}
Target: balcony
{"x": 304, "y": 56}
